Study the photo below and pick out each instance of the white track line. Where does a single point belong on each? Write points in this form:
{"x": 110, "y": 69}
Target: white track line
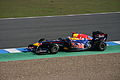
{"x": 118, "y": 42}
{"x": 12, "y": 50}
{"x": 60, "y": 15}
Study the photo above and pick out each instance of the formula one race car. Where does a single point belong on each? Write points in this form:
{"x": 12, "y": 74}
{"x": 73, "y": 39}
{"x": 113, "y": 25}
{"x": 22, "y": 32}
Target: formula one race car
{"x": 78, "y": 42}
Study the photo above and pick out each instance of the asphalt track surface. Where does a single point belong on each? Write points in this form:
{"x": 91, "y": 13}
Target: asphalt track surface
{"x": 21, "y": 32}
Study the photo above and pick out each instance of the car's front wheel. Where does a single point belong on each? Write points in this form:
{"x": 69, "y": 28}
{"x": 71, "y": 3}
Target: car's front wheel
{"x": 54, "y": 48}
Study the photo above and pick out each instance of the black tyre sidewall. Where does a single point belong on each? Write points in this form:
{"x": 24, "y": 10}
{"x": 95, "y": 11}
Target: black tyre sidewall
{"x": 53, "y": 47}
{"x": 101, "y": 46}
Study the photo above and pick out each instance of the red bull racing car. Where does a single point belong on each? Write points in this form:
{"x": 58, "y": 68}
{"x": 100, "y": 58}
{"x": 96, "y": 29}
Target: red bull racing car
{"x": 77, "y": 42}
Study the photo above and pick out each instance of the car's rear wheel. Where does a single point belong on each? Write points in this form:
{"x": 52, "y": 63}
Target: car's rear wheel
{"x": 101, "y": 46}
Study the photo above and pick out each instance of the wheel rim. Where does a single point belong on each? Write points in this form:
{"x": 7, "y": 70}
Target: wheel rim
{"x": 102, "y": 46}
{"x": 54, "y": 49}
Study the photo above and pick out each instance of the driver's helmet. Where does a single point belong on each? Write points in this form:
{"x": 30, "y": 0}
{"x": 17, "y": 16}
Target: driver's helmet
{"x": 75, "y": 35}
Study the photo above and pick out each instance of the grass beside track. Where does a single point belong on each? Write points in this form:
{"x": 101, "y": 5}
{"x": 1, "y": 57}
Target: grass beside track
{"x": 26, "y": 8}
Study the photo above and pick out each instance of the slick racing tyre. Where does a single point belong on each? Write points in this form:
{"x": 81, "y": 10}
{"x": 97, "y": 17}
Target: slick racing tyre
{"x": 54, "y": 48}
{"x": 101, "y": 46}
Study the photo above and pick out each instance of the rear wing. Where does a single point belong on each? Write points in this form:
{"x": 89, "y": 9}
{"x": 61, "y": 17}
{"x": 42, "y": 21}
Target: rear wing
{"x": 99, "y": 36}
